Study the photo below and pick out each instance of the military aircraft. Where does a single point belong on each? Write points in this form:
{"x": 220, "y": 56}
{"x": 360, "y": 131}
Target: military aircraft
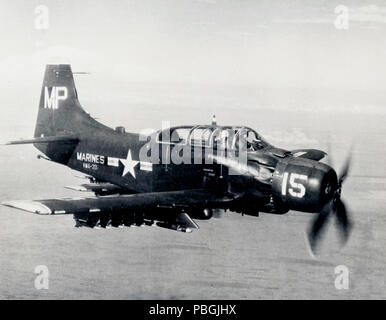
{"x": 175, "y": 175}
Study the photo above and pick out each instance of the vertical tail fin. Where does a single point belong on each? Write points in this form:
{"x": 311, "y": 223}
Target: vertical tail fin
{"x": 60, "y": 116}
{"x": 59, "y": 107}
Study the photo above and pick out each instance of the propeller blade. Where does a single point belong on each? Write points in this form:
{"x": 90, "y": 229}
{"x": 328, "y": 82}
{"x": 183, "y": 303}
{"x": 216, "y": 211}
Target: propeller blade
{"x": 345, "y": 169}
{"x": 330, "y": 161}
{"x": 344, "y": 225}
{"x": 316, "y": 229}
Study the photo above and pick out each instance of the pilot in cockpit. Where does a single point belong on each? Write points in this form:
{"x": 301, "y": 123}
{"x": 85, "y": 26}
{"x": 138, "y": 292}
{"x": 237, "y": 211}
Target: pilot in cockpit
{"x": 249, "y": 139}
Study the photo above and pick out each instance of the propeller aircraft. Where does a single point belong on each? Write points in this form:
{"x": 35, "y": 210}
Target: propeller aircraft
{"x": 176, "y": 175}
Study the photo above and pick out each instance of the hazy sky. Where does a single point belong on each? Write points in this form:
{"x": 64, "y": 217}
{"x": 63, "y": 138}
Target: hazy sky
{"x": 255, "y": 56}
{"x": 270, "y": 43}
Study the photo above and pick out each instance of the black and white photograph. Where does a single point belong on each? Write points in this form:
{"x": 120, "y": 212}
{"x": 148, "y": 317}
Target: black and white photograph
{"x": 205, "y": 150}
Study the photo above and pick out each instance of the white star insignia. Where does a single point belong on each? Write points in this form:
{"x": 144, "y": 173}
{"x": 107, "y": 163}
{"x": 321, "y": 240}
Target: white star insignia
{"x": 129, "y": 164}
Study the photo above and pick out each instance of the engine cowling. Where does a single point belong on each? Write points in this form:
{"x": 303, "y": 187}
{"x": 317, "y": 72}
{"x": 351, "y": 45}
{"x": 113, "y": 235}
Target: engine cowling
{"x": 303, "y": 184}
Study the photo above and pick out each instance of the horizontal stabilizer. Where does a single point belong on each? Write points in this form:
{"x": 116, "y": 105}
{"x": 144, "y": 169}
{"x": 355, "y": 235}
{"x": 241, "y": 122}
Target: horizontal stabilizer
{"x": 63, "y": 139}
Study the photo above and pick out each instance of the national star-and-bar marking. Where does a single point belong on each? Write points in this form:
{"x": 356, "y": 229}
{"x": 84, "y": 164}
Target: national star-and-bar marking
{"x": 128, "y": 163}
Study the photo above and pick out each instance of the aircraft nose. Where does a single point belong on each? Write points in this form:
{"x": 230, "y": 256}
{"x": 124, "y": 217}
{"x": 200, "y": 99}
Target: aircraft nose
{"x": 304, "y": 184}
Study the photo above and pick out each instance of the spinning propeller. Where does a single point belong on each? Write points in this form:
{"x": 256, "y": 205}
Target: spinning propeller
{"x": 334, "y": 206}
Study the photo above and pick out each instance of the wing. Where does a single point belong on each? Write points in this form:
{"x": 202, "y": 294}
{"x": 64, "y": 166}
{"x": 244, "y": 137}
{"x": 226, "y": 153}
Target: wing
{"x": 149, "y": 205}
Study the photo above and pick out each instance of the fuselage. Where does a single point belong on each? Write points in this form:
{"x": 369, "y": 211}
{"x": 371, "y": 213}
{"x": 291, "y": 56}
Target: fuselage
{"x": 154, "y": 162}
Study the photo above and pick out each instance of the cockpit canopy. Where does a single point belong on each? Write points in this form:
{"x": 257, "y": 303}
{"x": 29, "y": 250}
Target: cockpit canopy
{"x": 219, "y": 137}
